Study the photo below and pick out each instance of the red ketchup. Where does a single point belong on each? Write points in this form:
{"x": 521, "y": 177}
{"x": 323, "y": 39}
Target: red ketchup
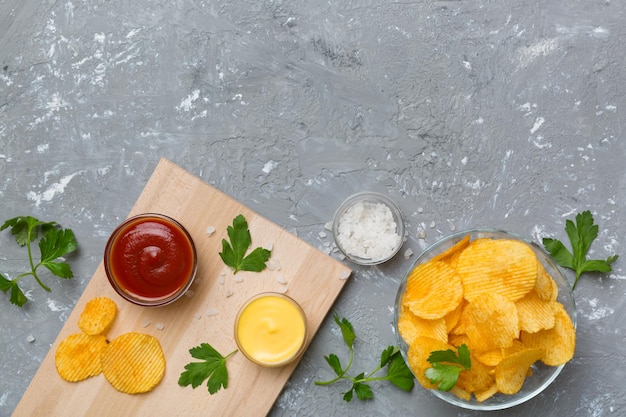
{"x": 150, "y": 259}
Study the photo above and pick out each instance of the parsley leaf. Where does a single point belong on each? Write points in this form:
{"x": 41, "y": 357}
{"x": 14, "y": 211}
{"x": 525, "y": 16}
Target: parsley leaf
{"x": 234, "y": 252}
{"x": 581, "y": 235}
{"x": 397, "y": 372}
{"x": 213, "y": 368}
{"x": 447, "y": 366}
{"x": 54, "y": 244}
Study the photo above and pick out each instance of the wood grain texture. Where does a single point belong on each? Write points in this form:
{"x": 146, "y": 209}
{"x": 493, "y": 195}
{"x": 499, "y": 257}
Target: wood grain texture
{"x": 313, "y": 280}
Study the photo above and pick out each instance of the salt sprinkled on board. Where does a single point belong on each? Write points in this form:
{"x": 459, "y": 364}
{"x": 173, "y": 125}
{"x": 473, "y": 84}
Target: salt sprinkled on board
{"x": 212, "y": 312}
{"x": 281, "y": 279}
{"x": 160, "y": 326}
{"x": 273, "y": 265}
{"x": 368, "y": 230}
{"x": 146, "y": 323}
{"x": 210, "y": 230}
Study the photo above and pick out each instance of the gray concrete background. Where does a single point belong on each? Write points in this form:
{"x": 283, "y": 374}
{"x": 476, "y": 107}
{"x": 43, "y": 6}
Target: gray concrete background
{"x": 479, "y": 113}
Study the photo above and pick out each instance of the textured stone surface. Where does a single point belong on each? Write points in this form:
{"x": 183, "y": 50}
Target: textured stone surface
{"x": 505, "y": 114}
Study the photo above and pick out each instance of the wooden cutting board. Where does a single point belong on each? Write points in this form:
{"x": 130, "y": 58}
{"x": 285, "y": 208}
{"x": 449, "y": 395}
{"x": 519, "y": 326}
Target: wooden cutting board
{"x": 205, "y": 314}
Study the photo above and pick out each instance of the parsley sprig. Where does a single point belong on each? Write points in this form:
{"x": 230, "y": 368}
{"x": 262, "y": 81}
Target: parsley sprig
{"x": 55, "y": 242}
{"x": 212, "y": 368}
{"x": 446, "y": 366}
{"x": 581, "y": 236}
{"x": 234, "y": 252}
{"x": 397, "y": 371}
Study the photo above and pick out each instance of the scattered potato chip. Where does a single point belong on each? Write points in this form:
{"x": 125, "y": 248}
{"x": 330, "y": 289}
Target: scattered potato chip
{"x": 501, "y": 266}
{"x": 559, "y": 343}
{"x": 511, "y": 371}
{"x": 425, "y": 289}
{"x": 97, "y": 315}
{"x": 133, "y": 363}
{"x": 534, "y": 313}
{"x": 490, "y": 322}
{"x": 78, "y": 356}
{"x": 410, "y": 327}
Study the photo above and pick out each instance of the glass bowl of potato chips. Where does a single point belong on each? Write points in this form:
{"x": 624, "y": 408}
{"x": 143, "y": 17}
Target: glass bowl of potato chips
{"x": 485, "y": 319}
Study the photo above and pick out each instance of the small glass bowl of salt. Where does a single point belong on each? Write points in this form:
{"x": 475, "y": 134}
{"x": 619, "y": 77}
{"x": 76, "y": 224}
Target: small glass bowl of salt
{"x": 368, "y": 228}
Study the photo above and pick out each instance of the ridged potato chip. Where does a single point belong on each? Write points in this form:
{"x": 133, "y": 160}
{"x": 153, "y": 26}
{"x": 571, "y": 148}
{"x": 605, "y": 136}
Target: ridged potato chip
{"x": 534, "y": 313}
{"x": 133, "y": 363}
{"x": 418, "y": 354}
{"x": 97, "y": 315}
{"x": 452, "y": 254}
{"x": 546, "y": 287}
{"x": 511, "y": 371}
{"x": 497, "y": 266}
{"x": 78, "y": 356}
{"x": 433, "y": 290}
{"x": 490, "y": 322}
{"x": 494, "y": 356}
{"x": 557, "y": 344}
{"x": 485, "y": 394}
{"x": 478, "y": 378}
{"x": 410, "y": 327}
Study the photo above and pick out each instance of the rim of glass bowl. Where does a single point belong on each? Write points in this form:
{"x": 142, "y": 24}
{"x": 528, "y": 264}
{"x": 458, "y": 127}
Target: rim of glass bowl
{"x": 147, "y": 302}
{"x": 549, "y": 373}
{"x": 371, "y": 196}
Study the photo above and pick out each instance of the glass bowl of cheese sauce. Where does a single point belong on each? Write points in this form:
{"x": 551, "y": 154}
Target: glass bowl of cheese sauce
{"x": 271, "y": 329}
{"x": 150, "y": 260}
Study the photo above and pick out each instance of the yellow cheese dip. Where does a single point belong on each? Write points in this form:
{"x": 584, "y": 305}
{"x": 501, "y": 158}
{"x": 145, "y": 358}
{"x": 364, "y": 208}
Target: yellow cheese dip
{"x": 271, "y": 329}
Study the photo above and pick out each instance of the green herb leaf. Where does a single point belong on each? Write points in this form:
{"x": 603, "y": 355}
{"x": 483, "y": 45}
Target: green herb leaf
{"x": 581, "y": 235}
{"x": 442, "y": 375}
{"x": 335, "y": 363}
{"x": 213, "y": 369}
{"x": 347, "y": 331}
{"x": 387, "y": 354}
{"x": 54, "y": 244}
{"x": 362, "y": 390}
{"x": 234, "y": 251}
{"x": 446, "y": 366}
{"x": 17, "y": 297}
{"x": 398, "y": 373}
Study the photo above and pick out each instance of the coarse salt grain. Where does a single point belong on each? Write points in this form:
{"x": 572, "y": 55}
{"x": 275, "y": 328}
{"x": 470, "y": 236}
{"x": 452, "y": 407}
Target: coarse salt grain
{"x": 368, "y": 231}
{"x": 281, "y": 279}
{"x": 212, "y": 312}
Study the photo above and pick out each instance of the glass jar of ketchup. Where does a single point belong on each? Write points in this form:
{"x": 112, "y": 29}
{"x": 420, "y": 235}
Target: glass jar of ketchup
{"x": 150, "y": 260}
